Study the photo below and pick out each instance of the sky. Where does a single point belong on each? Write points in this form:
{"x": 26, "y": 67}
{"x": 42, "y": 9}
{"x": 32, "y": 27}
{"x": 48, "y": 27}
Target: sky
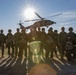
{"x": 11, "y": 13}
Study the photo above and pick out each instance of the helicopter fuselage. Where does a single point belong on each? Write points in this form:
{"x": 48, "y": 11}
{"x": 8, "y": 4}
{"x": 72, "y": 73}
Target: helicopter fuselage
{"x": 39, "y": 24}
{"x": 43, "y": 23}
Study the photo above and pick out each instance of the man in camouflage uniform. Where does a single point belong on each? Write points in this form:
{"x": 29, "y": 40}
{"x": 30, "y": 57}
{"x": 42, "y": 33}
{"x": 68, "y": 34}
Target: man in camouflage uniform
{"x": 39, "y": 33}
{"x": 33, "y": 35}
{"x": 43, "y": 41}
{"x": 51, "y": 47}
{"x": 62, "y": 40}
{"x": 17, "y": 36}
{"x": 71, "y": 33}
{"x": 73, "y": 36}
{"x": 50, "y": 32}
{"x": 23, "y": 43}
{"x": 56, "y": 40}
{"x": 10, "y": 42}
{"x": 56, "y": 37}
{"x": 43, "y": 36}
{"x": 2, "y": 41}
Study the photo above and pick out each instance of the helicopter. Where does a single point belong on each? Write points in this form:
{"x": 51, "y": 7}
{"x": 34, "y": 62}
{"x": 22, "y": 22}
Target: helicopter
{"x": 39, "y": 22}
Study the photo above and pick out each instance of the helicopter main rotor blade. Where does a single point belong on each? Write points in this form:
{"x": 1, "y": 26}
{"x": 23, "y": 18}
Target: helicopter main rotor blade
{"x": 42, "y": 18}
{"x": 32, "y": 20}
{"x": 39, "y": 15}
{"x": 54, "y": 15}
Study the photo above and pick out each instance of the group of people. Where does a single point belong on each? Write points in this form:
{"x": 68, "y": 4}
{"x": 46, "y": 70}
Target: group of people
{"x": 51, "y": 41}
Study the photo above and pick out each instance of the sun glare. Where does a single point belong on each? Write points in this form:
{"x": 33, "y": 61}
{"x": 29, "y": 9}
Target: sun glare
{"x": 29, "y": 13}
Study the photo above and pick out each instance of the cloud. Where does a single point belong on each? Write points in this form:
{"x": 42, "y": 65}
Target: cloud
{"x": 67, "y": 19}
{"x": 66, "y": 16}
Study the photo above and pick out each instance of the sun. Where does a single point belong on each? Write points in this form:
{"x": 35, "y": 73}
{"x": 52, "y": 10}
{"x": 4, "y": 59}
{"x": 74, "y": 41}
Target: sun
{"x": 29, "y": 13}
